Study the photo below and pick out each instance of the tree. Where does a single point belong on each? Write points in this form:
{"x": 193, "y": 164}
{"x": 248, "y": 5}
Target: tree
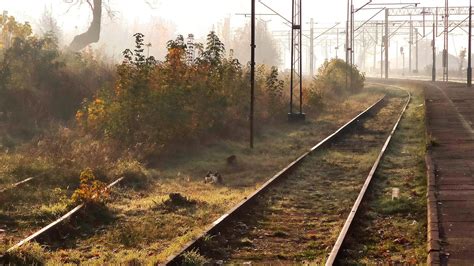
{"x": 215, "y": 50}
{"x": 274, "y": 89}
{"x": 49, "y": 26}
{"x": 92, "y": 34}
{"x": 274, "y": 85}
{"x": 11, "y": 29}
{"x": 29, "y": 77}
{"x": 331, "y": 78}
{"x": 267, "y": 50}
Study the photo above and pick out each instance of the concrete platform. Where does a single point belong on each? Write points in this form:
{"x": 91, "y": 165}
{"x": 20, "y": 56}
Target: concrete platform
{"x": 450, "y": 123}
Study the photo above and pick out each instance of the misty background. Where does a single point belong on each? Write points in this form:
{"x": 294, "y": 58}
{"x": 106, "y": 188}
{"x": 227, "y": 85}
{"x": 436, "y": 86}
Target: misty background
{"x": 163, "y": 20}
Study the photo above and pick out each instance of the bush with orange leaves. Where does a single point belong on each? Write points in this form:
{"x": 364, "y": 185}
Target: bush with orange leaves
{"x": 90, "y": 189}
{"x": 156, "y": 104}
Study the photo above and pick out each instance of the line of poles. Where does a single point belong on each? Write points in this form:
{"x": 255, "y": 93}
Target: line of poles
{"x": 469, "y": 52}
{"x": 252, "y": 72}
{"x": 350, "y": 31}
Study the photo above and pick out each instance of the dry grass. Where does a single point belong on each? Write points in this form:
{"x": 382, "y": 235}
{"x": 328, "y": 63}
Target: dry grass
{"x": 394, "y": 232}
{"x": 140, "y": 229}
{"x": 299, "y": 220}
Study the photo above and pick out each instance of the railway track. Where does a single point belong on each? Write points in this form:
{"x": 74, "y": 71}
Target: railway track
{"x": 17, "y": 184}
{"x": 50, "y": 233}
{"x": 300, "y": 214}
{"x": 346, "y": 156}
{"x": 57, "y": 222}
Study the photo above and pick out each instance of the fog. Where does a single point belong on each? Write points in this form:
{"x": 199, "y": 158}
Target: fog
{"x": 162, "y": 20}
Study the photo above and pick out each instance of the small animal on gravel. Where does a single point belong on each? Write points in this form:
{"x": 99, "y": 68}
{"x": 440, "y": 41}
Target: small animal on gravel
{"x": 213, "y": 178}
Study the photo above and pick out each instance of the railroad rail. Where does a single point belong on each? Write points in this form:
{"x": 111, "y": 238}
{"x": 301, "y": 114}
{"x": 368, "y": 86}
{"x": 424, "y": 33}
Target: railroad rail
{"x": 12, "y": 186}
{"x": 345, "y": 229}
{"x": 58, "y": 221}
{"x": 227, "y": 217}
{"x": 224, "y": 220}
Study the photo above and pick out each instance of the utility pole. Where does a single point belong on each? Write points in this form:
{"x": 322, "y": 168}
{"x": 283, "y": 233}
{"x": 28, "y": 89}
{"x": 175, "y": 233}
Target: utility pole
{"x": 416, "y": 50}
{"x": 296, "y": 76}
{"x": 382, "y": 43}
{"x": 252, "y": 71}
{"x": 446, "y": 40}
{"x": 410, "y": 44}
{"x": 375, "y": 46}
{"x": 300, "y": 16}
{"x": 424, "y": 21}
{"x": 403, "y": 59}
{"x": 337, "y": 41}
{"x": 435, "y": 34}
{"x": 381, "y": 54}
{"x": 311, "y": 48}
{"x": 469, "y": 52}
{"x": 347, "y": 41}
{"x": 397, "y": 65}
{"x": 433, "y": 45}
{"x": 352, "y": 43}
{"x": 386, "y": 43}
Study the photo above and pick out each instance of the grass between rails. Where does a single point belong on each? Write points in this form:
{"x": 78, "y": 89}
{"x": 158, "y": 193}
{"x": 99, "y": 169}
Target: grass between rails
{"x": 298, "y": 220}
{"x": 142, "y": 228}
{"x": 394, "y": 231}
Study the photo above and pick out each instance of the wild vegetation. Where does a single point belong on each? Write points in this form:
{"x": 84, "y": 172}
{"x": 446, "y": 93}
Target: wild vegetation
{"x": 76, "y": 122}
{"x": 393, "y": 230}
{"x": 39, "y": 83}
{"x": 309, "y": 208}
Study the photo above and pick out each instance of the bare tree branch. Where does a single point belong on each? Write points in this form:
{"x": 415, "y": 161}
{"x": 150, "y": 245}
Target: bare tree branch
{"x": 92, "y": 35}
{"x": 90, "y": 4}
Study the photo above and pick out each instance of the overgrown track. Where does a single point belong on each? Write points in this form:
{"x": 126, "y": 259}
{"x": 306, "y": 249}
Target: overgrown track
{"x": 299, "y": 217}
{"x": 58, "y": 221}
{"x": 17, "y": 184}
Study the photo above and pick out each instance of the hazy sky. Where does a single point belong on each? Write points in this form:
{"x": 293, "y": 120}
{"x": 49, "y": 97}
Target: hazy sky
{"x": 196, "y": 16}
{"x": 193, "y": 16}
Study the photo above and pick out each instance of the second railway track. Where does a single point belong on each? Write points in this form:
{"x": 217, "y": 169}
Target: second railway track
{"x": 299, "y": 218}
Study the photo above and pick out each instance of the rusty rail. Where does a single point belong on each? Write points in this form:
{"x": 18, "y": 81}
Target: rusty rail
{"x": 56, "y": 222}
{"x": 175, "y": 259}
{"x": 17, "y": 184}
{"x": 345, "y": 229}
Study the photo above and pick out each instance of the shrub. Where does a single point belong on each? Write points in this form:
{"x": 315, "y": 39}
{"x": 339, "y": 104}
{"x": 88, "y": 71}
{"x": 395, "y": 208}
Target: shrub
{"x": 28, "y": 254}
{"x": 136, "y": 175}
{"x": 90, "y": 189}
{"x": 274, "y": 90}
{"x": 40, "y": 84}
{"x": 334, "y": 79}
{"x": 193, "y": 258}
{"x": 156, "y": 103}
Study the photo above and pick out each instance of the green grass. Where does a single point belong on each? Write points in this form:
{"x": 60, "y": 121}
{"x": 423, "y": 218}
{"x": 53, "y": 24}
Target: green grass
{"x": 193, "y": 258}
{"x": 394, "y": 231}
{"x": 137, "y": 228}
{"x": 29, "y": 254}
{"x": 299, "y": 220}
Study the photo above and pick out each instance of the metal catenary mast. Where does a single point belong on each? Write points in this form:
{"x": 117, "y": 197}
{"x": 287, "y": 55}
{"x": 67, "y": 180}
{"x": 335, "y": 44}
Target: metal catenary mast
{"x": 296, "y": 76}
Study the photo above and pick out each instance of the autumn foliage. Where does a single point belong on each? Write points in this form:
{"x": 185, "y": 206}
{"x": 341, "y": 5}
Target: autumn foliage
{"x": 90, "y": 189}
{"x": 157, "y": 103}
{"x": 39, "y": 83}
